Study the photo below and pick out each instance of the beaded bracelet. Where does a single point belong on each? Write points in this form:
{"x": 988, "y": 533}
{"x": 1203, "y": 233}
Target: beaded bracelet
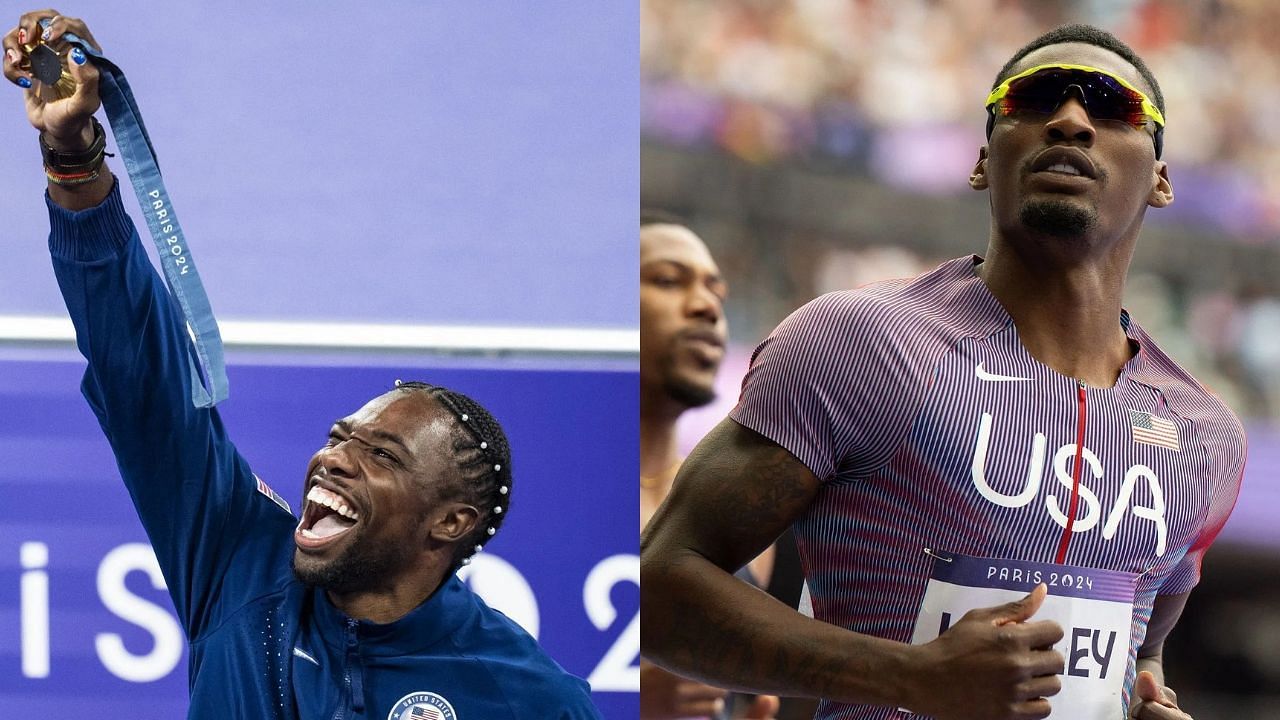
{"x": 70, "y": 179}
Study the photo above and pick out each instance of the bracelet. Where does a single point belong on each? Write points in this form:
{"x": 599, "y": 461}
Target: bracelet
{"x": 71, "y": 163}
{"x": 71, "y": 179}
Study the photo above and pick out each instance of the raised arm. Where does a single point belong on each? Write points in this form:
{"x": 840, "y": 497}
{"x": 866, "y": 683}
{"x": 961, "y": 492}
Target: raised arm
{"x": 733, "y": 496}
{"x": 194, "y": 493}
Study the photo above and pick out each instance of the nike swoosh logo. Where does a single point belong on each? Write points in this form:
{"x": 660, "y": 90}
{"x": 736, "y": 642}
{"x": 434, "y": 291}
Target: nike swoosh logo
{"x": 299, "y": 652}
{"x": 984, "y": 375}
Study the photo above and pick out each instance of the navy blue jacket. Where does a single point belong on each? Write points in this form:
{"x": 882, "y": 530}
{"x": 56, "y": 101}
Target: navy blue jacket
{"x": 263, "y": 646}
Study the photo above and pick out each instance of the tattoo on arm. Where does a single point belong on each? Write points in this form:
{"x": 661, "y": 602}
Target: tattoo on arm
{"x": 735, "y": 494}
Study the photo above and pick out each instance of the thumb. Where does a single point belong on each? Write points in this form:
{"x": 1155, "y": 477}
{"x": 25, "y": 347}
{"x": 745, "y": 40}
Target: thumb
{"x": 85, "y": 101}
{"x": 763, "y": 707}
{"x": 1147, "y": 689}
{"x": 1021, "y": 610}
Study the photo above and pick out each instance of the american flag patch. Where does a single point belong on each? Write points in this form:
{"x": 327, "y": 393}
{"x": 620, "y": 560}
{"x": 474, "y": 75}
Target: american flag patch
{"x": 265, "y": 489}
{"x": 1152, "y": 430}
{"x": 425, "y": 712}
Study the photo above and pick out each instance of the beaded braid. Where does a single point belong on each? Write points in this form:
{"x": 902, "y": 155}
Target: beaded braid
{"x": 484, "y": 458}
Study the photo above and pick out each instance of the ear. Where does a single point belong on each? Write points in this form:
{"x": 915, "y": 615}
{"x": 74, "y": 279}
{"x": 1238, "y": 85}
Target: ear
{"x": 978, "y": 178}
{"x": 1162, "y": 187}
{"x": 454, "y": 522}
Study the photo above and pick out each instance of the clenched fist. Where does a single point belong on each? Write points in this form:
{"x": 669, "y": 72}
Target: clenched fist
{"x": 991, "y": 665}
{"x": 64, "y": 121}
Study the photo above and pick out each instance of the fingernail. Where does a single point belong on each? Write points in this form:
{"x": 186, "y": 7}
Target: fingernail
{"x": 12, "y": 55}
{"x": 22, "y": 36}
{"x": 24, "y": 83}
{"x": 77, "y": 56}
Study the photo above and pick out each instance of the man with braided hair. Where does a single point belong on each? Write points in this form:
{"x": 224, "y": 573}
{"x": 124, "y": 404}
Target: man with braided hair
{"x": 352, "y": 611}
{"x": 484, "y": 463}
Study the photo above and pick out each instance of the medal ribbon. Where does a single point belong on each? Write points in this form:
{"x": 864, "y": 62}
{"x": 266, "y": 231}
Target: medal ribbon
{"x": 166, "y": 234}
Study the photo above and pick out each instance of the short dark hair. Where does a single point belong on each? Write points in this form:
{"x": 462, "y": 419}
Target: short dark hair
{"x": 1093, "y": 36}
{"x": 1079, "y": 33}
{"x": 483, "y": 456}
{"x": 652, "y": 216}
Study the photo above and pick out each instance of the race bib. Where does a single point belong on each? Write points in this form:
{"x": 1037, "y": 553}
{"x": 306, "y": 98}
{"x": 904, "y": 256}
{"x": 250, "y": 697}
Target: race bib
{"x": 1094, "y": 608}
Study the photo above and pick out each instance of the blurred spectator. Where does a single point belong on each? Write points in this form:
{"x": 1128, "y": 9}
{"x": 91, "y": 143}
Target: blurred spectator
{"x": 835, "y": 79}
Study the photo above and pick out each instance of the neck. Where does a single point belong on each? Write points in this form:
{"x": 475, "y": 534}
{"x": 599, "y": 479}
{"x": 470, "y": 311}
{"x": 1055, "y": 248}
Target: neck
{"x": 658, "y": 447}
{"x": 1067, "y": 314}
{"x": 384, "y": 605}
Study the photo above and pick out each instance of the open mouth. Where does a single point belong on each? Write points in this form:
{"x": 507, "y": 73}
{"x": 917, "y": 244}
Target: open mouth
{"x": 1064, "y": 166}
{"x": 326, "y": 516}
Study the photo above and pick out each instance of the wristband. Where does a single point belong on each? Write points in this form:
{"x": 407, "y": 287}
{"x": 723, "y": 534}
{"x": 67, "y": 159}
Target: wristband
{"x": 62, "y": 162}
{"x": 71, "y": 179}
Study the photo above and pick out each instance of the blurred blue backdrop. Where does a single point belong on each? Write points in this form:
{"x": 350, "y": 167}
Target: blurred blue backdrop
{"x": 412, "y": 162}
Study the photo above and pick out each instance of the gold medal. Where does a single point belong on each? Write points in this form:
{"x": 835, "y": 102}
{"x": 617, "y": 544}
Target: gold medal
{"x": 49, "y": 67}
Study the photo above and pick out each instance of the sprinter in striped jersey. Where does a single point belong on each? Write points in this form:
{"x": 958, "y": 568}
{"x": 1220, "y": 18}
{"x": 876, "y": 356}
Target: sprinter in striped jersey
{"x": 1001, "y": 487}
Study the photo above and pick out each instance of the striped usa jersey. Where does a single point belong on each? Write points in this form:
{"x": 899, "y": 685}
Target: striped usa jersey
{"x": 932, "y": 427}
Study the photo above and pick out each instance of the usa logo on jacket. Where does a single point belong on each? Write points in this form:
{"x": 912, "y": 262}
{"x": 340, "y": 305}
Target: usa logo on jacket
{"x": 422, "y": 706}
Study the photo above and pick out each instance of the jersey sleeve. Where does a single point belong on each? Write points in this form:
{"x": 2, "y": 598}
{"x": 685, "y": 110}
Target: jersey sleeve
{"x": 825, "y": 385}
{"x": 1223, "y": 492}
{"x": 194, "y": 493}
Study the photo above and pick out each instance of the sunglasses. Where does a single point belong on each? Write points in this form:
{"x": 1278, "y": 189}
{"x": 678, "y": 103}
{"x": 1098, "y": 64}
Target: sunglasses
{"x": 1044, "y": 88}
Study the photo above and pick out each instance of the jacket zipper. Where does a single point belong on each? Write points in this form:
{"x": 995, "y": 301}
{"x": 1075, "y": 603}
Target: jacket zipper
{"x": 1075, "y": 476}
{"x": 351, "y": 658}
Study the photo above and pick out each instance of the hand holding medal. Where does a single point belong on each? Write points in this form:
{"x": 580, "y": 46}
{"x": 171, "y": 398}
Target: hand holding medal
{"x": 61, "y": 85}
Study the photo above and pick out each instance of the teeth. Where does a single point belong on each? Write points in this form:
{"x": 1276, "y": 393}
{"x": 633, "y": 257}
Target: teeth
{"x": 323, "y": 497}
{"x": 1063, "y": 168}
